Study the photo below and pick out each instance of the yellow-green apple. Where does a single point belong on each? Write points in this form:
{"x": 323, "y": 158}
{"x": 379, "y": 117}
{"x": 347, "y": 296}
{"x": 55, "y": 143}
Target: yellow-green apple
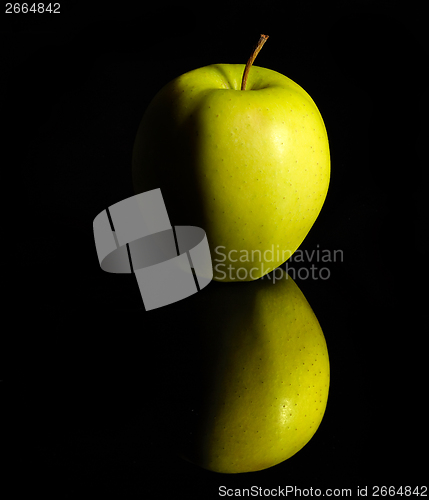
{"x": 257, "y": 376}
{"x": 242, "y": 154}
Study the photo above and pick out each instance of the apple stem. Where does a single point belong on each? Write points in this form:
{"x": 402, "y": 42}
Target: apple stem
{"x": 256, "y": 50}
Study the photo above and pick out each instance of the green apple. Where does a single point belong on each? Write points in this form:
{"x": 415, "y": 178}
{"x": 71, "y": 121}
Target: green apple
{"x": 257, "y": 376}
{"x": 251, "y": 167}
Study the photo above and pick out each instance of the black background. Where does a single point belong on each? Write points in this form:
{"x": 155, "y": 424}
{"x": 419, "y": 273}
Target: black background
{"x": 89, "y": 403}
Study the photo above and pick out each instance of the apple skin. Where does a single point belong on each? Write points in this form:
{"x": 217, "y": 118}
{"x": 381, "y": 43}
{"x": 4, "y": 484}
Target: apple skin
{"x": 254, "y": 382}
{"x": 250, "y": 167}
